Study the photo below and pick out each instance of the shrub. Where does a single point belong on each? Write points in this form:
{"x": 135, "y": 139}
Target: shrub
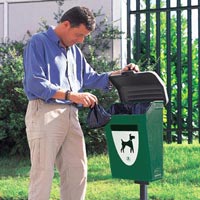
{"x": 12, "y": 99}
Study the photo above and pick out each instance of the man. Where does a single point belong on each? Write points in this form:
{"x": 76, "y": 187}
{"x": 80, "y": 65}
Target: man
{"x": 55, "y": 74}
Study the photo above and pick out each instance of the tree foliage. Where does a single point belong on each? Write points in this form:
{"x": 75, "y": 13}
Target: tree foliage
{"x": 12, "y": 99}
{"x": 96, "y": 50}
{"x": 151, "y": 62}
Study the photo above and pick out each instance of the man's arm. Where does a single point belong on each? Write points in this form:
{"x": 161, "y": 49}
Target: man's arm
{"x": 85, "y": 98}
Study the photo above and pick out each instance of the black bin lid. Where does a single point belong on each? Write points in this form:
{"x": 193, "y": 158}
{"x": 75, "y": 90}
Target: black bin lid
{"x": 140, "y": 86}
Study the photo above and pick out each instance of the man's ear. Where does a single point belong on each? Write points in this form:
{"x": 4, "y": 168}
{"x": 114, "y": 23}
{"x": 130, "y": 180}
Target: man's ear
{"x": 66, "y": 24}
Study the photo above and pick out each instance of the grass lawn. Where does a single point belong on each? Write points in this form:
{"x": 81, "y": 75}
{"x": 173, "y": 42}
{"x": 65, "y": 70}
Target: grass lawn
{"x": 181, "y": 179}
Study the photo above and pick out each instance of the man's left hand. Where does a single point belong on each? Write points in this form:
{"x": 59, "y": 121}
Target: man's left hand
{"x": 132, "y": 67}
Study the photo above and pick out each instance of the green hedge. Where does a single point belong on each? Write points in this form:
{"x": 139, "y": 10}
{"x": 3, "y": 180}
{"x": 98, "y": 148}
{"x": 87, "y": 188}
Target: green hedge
{"x": 12, "y": 99}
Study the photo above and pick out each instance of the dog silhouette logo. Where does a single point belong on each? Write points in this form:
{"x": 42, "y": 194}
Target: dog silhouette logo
{"x": 127, "y": 145}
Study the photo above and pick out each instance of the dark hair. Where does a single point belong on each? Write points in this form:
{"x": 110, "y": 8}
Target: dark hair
{"x": 79, "y": 15}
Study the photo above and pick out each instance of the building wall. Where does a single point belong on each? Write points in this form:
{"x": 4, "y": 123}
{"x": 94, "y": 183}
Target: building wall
{"x": 19, "y": 16}
{"x": 1, "y": 20}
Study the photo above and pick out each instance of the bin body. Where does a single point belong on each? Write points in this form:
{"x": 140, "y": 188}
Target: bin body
{"x": 135, "y": 141}
{"x": 145, "y": 161}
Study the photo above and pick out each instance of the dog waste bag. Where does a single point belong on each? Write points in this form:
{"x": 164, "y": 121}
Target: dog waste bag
{"x": 135, "y": 132}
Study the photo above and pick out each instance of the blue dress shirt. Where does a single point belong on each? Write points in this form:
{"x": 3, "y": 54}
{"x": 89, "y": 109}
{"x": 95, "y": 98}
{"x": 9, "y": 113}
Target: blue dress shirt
{"x": 49, "y": 67}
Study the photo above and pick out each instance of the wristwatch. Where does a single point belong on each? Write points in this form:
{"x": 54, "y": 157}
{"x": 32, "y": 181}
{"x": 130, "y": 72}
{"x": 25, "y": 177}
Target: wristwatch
{"x": 67, "y": 94}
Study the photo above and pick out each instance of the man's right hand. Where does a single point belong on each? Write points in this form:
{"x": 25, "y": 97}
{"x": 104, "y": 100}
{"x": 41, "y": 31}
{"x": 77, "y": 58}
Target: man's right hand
{"x": 85, "y": 98}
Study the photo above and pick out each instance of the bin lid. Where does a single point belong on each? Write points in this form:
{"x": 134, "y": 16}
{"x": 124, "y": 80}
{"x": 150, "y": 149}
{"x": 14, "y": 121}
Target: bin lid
{"x": 139, "y": 86}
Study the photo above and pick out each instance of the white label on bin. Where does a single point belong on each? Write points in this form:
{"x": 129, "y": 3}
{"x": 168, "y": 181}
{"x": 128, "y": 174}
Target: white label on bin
{"x": 127, "y": 144}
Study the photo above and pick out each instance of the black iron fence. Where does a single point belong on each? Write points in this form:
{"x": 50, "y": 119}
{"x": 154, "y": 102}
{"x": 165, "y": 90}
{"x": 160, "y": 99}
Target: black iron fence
{"x": 165, "y": 36}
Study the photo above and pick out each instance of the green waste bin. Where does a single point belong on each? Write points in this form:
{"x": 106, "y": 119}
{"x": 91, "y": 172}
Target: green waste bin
{"x": 135, "y": 141}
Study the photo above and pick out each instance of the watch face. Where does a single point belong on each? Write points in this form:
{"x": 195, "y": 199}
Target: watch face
{"x": 67, "y": 93}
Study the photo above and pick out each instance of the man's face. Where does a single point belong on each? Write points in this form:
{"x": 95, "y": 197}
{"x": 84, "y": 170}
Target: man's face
{"x": 74, "y": 35}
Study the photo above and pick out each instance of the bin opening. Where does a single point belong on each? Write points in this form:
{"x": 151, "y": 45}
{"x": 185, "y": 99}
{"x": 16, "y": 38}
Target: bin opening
{"x": 126, "y": 127}
{"x": 128, "y": 108}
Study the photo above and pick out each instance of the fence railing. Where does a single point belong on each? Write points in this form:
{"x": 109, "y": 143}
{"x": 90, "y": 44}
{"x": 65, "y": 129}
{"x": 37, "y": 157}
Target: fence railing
{"x": 166, "y": 36}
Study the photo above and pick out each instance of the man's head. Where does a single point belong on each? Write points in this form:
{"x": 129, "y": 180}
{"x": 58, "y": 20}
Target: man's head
{"x": 79, "y": 15}
{"x": 75, "y": 25}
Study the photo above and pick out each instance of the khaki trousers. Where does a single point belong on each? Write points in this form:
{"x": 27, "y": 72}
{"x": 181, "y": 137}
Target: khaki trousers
{"x": 55, "y": 138}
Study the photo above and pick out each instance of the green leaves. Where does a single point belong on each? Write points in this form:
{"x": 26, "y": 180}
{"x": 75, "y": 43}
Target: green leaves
{"x": 175, "y": 62}
{"x": 95, "y": 49}
{"x": 12, "y": 99}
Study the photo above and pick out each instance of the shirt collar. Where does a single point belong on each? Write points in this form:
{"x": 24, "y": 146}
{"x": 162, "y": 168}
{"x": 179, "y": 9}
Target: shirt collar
{"x": 52, "y": 35}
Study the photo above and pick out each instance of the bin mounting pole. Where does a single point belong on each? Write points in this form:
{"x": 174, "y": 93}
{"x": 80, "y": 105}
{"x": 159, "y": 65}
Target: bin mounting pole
{"x": 143, "y": 189}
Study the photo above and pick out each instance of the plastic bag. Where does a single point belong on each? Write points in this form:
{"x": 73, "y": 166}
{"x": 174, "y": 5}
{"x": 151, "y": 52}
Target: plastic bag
{"x": 97, "y": 117}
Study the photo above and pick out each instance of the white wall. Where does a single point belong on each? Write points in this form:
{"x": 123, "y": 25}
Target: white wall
{"x": 1, "y": 20}
{"x": 119, "y": 14}
{"x": 23, "y": 15}
{"x": 19, "y": 16}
